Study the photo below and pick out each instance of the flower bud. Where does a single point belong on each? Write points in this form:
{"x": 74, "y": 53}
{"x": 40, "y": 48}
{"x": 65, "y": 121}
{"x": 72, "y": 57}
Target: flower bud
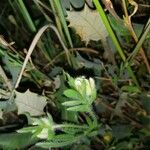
{"x": 86, "y": 88}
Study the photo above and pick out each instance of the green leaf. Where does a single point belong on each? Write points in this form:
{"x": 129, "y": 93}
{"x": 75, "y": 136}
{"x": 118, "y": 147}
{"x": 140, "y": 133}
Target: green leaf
{"x": 72, "y": 103}
{"x": 57, "y": 142}
{"x": 89, "y": 121}
{"x": 27, "y": 129}
{"x": 64, "y": 137}
{"x": 36, "y": 132}
{"x": 70, "y": 81}
{"x": 73, "y": 130}
{"x": 93, "y": 133}
{"x": 53, "y": 144}
{"x": 80, "y": 108}
{"x": 70, "y": 93}
{"x": 16, "y": 140}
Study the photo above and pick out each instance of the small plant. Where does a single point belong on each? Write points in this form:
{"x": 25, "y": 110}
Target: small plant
{"x": 82, "y": 93}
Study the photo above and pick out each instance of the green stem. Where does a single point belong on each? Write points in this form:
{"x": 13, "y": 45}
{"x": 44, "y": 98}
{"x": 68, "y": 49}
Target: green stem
{"x": 57, "y": 20}
{"x": 26, "y": 15}
{"x": 114, "y": 39}
{"x": 63, "y": 21}
{"x": 139, "y": 44}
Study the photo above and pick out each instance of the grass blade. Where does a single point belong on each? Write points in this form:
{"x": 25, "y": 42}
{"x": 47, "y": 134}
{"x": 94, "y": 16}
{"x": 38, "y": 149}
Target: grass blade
{"x": 114, "y": 39}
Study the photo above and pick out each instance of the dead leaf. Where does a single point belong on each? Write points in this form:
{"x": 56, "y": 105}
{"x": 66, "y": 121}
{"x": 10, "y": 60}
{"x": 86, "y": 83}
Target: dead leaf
{"x": 30, "y": 102}
{"x": 88, "y": 24}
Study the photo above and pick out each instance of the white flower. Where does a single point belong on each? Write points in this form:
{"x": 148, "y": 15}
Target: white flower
{"x": 79, "y": 83}
{"x": 86, "y": 87}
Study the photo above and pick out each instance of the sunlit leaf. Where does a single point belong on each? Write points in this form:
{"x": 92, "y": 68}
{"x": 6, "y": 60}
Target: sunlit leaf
{"x": 73, "y": 94}
{"x": 72, "y": 103}
{"x": 80, "y": 108}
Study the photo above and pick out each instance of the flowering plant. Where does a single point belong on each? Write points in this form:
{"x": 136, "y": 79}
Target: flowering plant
{"x": 81, "y": 94}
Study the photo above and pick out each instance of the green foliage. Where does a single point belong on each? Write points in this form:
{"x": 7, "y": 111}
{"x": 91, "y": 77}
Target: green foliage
{"x": 16, "y": 140}
{"x": 59, "y": 9}
{"x": 82, "y": 94}
{"x": 123, "y": 31}
{"x": 45, "y": 129}
{"x": 114, "y": 39}
{"x": 24, "y": 13}
{"x": 101, "y": 106}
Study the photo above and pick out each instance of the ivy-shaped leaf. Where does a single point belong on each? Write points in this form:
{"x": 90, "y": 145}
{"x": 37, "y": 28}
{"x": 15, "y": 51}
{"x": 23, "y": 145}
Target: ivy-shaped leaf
{"x": 88, "y": 24}
{"x": 30, "y": 102}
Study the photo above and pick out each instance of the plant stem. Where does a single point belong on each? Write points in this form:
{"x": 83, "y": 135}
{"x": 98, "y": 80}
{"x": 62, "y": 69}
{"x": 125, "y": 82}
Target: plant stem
{"x": 63, "y": 21}
{"x": 59, "y": 126}
{"x": 139, "y": 44}
{"x": 26, "y": 15}
{"x": 114, "y": 39}
{"x": 57, "y": 20}
{"x": 128, "y": 23}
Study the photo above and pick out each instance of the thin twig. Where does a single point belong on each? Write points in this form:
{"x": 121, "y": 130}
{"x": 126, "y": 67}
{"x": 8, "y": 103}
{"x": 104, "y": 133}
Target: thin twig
{"x": 119, "y": 80}
{"x": 84, "y": 49}
{"x": 128, "y": 23}
{"x": 139, "y": 44}
{"x": 114, "y": 39}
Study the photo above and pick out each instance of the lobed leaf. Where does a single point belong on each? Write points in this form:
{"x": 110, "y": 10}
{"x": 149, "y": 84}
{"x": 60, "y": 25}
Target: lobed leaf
{"x": 72, "y": 103}
{"x": 70, "y": 93}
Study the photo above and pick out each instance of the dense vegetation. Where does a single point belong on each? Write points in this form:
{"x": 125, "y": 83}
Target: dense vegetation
{"x": 75, "y": 74}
